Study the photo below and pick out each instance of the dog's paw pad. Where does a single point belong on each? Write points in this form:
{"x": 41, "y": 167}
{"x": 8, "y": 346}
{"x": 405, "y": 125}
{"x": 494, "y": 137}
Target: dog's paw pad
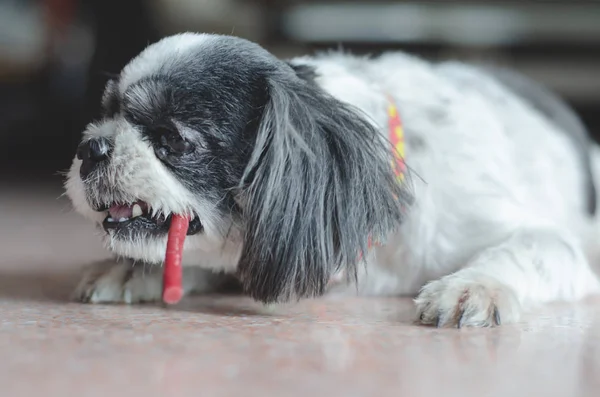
{"x": 457, "y": 301}
{"x": 119, "y": 283}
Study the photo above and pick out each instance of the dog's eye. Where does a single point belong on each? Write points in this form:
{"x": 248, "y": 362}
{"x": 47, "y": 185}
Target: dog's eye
{"x": 171, "y": 143}
{"x": 175, "y": 143}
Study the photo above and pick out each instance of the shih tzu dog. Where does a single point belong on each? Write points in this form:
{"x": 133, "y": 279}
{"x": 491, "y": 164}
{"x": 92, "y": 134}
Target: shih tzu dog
{"x": 287, "y": 169}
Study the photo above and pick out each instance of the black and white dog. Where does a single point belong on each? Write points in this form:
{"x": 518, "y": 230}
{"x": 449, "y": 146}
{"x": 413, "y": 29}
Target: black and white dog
{"x": 286, "y": 168}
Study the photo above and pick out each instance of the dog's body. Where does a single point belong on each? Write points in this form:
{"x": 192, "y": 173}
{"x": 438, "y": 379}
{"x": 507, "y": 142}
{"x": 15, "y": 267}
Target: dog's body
{"x": 497, "y": 212}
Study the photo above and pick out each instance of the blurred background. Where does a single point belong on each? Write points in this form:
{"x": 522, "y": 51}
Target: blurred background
{"x": 56, "y": 55}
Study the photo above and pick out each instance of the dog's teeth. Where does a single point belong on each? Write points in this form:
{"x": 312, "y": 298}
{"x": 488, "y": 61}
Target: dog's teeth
{"x": 110, "y": 219}
{"x": 136, "y": 211}
{"x": 123, "y": 219}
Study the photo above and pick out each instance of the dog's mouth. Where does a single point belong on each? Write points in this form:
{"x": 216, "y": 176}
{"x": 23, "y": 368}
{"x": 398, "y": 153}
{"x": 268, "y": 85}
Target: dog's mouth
{"x": 138, "y": 217}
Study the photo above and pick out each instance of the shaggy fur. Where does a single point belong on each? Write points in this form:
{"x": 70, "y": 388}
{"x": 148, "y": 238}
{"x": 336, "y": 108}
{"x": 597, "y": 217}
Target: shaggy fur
{"x": 285, "y": 168}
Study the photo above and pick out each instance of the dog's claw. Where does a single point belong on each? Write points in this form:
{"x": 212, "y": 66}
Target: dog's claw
{"x": 438, "y": 321}
{"x": 459, "y": 323}
{"x": 497, "y": 316}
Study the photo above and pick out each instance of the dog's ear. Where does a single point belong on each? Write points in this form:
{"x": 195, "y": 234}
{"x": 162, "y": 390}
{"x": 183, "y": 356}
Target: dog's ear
{"x": 318, "y": 186}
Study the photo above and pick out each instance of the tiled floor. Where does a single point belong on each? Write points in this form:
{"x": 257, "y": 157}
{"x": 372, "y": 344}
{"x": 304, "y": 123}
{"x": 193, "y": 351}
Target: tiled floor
{"x": 229, "y": 346}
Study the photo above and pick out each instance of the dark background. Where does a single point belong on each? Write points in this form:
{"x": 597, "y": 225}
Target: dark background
{"x": 56, "y": 55}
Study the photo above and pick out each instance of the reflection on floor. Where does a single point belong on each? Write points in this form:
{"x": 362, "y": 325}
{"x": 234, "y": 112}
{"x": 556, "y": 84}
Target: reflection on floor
{"x": 230, "y": 346}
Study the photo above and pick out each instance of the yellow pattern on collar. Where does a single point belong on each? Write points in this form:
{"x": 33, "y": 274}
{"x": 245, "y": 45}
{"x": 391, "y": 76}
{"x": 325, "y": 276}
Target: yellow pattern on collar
{"x": 396, "y": 136}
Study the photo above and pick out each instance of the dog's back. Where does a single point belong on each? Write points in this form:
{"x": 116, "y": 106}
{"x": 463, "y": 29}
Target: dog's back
{"x": 480, "y": 123}
{"x": 491, "y": 154}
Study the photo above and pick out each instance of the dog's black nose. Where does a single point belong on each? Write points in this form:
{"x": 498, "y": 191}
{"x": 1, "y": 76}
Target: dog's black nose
{"x": 91, "y": 153}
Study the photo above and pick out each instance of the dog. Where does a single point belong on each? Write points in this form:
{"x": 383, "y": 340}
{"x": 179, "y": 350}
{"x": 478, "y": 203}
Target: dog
{"x": 287, "y": 170}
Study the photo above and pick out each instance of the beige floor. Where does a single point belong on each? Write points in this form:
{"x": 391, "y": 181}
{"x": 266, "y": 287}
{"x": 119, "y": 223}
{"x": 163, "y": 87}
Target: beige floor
{"x": 229, "y": 346}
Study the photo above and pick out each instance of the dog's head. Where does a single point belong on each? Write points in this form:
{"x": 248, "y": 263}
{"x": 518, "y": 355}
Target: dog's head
{"x": 255, "y": 152}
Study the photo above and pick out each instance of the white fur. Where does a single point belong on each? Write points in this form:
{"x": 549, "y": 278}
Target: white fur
{"x": 497, "y": 194}
{"x": 159, "y": 56}
{"x": 499, "y": 219}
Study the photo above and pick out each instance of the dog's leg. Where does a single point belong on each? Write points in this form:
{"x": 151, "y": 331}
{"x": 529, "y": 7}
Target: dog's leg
{"x": 124, "y": 282}
{"x": 530, "y": 267}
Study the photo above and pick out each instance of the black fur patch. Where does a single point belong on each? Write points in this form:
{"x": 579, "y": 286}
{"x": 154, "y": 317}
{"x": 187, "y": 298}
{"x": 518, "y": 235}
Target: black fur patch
{"x": 111, "y": 102}
{"x": 318, "y": 186}
{"x": 305, "y": 72}
{"x": 218, "y": 98}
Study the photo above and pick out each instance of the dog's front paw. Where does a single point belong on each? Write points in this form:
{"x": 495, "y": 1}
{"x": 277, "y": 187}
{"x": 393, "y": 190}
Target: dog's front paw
{"x": 460, "y": 300}
{"x": 110, "y": 282}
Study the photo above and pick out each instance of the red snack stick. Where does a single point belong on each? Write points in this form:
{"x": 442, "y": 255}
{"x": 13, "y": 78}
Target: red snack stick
{"x": 172, "y": 272}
